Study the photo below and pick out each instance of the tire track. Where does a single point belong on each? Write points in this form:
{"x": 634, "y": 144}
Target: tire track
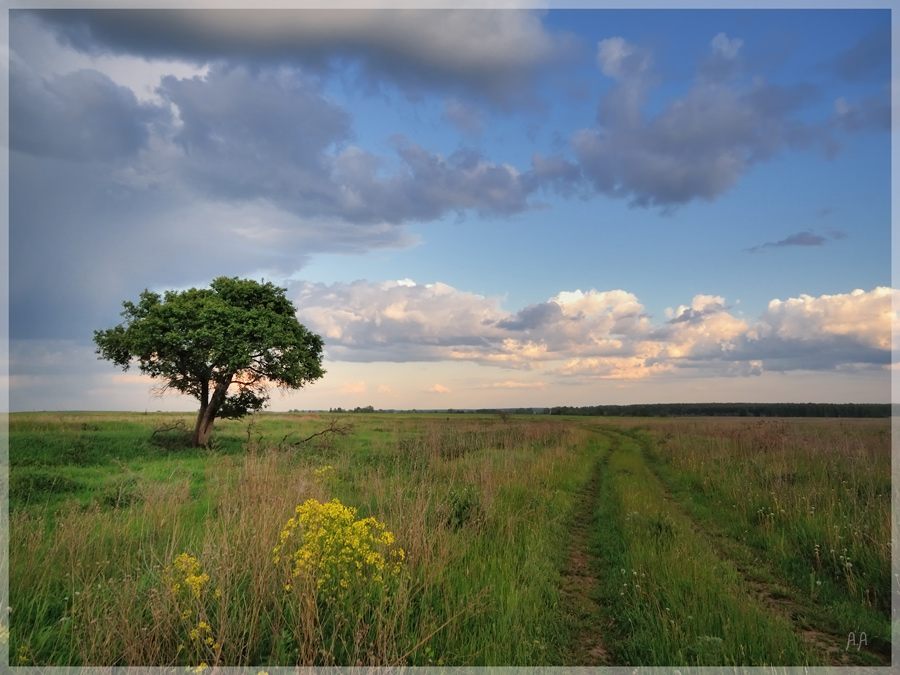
{"x": 579, "y": 582}
{"x": 777, "y": 598}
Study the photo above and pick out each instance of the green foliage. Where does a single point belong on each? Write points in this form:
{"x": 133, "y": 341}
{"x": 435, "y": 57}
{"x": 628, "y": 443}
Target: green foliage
{"x": 684, "y": 567}
{"x": 812, "y": 499}
{"x": 90, "y": 573}
{"x": 463, "y": 506}
{"x": 239, "y": 335}
{"x": 671, "y": 598}
{"x": 34, "y": 483}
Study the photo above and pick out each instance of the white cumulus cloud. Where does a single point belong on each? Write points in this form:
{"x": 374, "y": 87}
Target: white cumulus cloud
{"x": 604, "y": 334}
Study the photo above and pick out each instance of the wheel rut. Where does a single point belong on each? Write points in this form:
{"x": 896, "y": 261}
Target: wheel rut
{"x": 776, "y": 597}
{"x": 579, "y": 582}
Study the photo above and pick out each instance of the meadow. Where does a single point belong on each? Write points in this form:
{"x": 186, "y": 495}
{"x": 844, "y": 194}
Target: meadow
{"x": 448, "y": 540}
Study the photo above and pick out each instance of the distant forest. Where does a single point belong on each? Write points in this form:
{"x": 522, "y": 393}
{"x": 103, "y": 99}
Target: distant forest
{"x": 681, "y": 410}
{"x": 732, "y": 410}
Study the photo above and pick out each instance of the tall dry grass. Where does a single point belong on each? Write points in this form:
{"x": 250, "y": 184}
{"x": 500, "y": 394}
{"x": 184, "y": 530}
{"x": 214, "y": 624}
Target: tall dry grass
{"x": 93, "y": 585}
{"x": 814, "y": 495}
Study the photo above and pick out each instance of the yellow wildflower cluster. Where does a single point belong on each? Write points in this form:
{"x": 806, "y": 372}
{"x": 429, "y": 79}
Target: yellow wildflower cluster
{"x": 189, "y": 586}
{"x": 186, "y": 572}
{"x": 338, "y": 550}
{"x": 323, "y": 474}
{"x": 197, "y": 635}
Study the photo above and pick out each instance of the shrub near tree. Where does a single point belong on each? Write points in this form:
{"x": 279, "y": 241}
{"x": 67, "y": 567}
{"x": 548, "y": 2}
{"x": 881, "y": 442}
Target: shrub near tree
{"x": 225, "y": 345}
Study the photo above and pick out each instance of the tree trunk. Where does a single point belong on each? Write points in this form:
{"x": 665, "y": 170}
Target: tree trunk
{"x": 204, "y": 427}
{"x": 207, "y": 414}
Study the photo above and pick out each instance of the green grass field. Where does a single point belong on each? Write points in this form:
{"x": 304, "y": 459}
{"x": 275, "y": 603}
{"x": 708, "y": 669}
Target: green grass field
{"x": 454, "y": 540}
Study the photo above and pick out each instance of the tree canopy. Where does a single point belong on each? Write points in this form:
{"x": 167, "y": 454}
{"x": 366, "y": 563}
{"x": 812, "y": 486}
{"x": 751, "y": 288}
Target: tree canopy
{"x": 225, "y": 345}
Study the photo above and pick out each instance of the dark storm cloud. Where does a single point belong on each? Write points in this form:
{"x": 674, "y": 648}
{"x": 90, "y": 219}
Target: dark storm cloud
{"x": 247, "y": 135}
{"x": 82, "y": 116}
{"x": 238, "y": 171}
{"x": 271, "y": 134}
{"x": 85, "y": 236}
{"x": 76, "y": 246}
{"x": 493, "y": 54}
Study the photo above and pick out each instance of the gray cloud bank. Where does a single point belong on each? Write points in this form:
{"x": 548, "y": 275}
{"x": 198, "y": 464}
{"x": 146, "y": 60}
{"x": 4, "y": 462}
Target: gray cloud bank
{"x": 492, "y": 53}
{"x": 696, "y": 147}
{"x": 252, "y": 167}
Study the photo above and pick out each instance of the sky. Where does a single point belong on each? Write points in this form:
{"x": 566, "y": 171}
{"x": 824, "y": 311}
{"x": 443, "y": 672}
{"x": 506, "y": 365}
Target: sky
{"x": 473, "y": 207}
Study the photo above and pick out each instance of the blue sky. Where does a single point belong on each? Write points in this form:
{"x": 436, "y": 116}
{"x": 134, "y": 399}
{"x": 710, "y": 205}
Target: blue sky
{"x": 473, "y": 207}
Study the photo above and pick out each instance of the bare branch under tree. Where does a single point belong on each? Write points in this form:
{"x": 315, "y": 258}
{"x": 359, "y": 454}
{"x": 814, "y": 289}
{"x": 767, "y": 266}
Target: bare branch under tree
{"x": 336, "y": 427}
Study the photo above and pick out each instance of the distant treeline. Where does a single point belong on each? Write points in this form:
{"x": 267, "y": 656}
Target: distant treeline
{"x": 674, "y": 410}
{"x": 732, "y": 410}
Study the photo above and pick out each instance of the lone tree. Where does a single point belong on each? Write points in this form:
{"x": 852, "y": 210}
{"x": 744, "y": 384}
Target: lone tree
{"x": 238, "y": 336}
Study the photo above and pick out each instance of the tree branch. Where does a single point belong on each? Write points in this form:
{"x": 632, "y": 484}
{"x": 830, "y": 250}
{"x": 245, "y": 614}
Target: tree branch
{"x": 336, "y": 427}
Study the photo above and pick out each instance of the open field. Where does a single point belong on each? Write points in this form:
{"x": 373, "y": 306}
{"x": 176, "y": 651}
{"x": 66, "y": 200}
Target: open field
{"x": 475, "y": 540}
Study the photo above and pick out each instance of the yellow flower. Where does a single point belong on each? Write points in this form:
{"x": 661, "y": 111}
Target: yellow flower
{"x": 24, "y": 655}
{"x": 185, "y": 571}
{"x": 323, "y": 474}
{"x": 335, "y": 548}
